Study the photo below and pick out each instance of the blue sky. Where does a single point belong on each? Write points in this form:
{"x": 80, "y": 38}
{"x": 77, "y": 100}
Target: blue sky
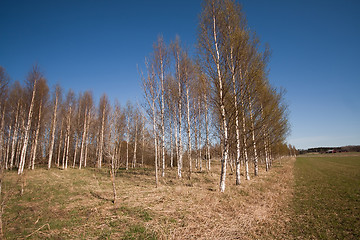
{"x": 97, "y": 45}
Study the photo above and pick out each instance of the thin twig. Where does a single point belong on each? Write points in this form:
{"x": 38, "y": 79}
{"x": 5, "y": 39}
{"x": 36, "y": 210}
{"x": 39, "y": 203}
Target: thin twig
{"x": 38, "y": 229}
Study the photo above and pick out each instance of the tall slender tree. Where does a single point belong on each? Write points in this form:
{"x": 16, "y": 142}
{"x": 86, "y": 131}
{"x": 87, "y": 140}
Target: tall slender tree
{"x": 160, "y": 65}
{"x": 57, "y": 97}
{"x": 213, "y": 55}
{"x": 103, "y": 119}
{"x": 33, "y": 78}
{"x": 151, "y": 90}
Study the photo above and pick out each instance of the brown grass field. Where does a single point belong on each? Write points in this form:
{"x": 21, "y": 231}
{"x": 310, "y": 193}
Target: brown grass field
{"x": 76, "y": 204}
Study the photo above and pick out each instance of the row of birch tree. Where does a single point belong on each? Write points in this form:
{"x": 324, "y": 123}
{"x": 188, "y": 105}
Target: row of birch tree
{"x": 215, "y": 105}
{"x": 220, "y": 95}
{"x": 50, "y": 128}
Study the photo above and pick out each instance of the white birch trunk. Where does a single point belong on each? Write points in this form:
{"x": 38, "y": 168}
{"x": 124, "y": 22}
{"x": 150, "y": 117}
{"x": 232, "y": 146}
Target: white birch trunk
{"x": 265, "y": 143}
{"x": 199, "y": 130}
{"x": 87, "y": 138}
{"x": 14, "y": 139}
{"x": 75, "y": 151}
{"x": 135, "y": 144}
{"x": 8, "y": 148}
{"x": 162, "y": 117}
{"x": 27, "y": 132}
{"x": 119, "y": 152}
{"x": 127, "y": 143}
{"x": 207, "y": 144}
{"x": 266, "y": 154}
{"x": 176, "y": 143}
{"x": 238, "y": 180}
{"x": 82, "y": 149}
{"x": 2, "y": 136}
{"x": 68, "y": 139}
{"x": 189, "y": 130}
{"x": 256, "y": 168}
{"x": 31, "y": 154}
{"x": 155, "y": 143}
{"x": 86, "y": 151}
{"x": 60, "y": 143}
{"x": 101, "y": 139}
{"x": 53, "y": 128}
{"x": 179, "y": 162}
{"x": 196, "y": 147}
{"x": 246, "y": 158}
{"x": 143, "y": 144}
{"x": 223, "y": 112}
{"x": 64, "y": 151}
{"x": 20, "y": 141}
{"x": 36, "y": 138}
{"x": 112, "y": 174}
{"x": 171, "y": 145}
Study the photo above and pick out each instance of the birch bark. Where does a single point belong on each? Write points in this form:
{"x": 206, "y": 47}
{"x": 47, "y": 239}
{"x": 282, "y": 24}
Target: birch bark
{"x": 53, "y": 128}
{"x": 256, "y": 167}
{"x": 135, "y": 143}
{"x": 188, "y": 129}
{"x": 27, "y": 131}
{"x": 82, "y": 150}
{"x": 14, "y": 139}
{"x": 68, "y": 130}
{"x": 246, "y": 158}
{"x": 101, "y": 144}
{"x": 237, "y": 127}
{"x": 223, "y": 111}
{"x": 36, "y": 137}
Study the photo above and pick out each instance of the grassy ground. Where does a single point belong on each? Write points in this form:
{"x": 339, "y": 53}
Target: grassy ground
{"x": 326, "y": 201}
{"x": 76, "y": 204}
{"x": 314, "y": 197}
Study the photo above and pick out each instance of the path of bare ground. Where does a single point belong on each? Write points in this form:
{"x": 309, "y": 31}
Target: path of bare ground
{"x": 76, "y": 204}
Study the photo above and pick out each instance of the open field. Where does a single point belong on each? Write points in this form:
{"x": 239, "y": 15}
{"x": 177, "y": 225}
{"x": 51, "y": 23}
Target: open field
{"x": 326, "y": 201}
{"x": 76, "y": 204}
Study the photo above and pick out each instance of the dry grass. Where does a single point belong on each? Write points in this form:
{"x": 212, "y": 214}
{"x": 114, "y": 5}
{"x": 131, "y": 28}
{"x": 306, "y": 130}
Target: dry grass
{"x": 77, "y": 205}
{"x": 254, "y": 210}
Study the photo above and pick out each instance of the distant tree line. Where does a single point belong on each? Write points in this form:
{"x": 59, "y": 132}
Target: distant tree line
{"x": 217, "y": 104}
{"x": 352, "y": 148}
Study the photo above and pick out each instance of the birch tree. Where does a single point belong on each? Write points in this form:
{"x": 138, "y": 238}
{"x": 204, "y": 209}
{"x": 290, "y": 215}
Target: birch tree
{"x": 171, "y": 99}
{"x": 177, "y": 54}
{"x": 188, "y": 72}
{"x": 151, "y": 91}
{"x": 120, "y": 126}
{"x": 33, "y": 77}
{"x": 160, "y": 64}
{"x": 41, "y": 101}
{"x": 68, "y": 117}
{"x": 103, "y": 119}
{"x": 136, "y": 118}
{"x": 213, "y": 55}
{"x": 86, "y": 103}
{"x": 57, "y": 99}
{"x": 129, "y": 118}
{"x": 16, "y": 103}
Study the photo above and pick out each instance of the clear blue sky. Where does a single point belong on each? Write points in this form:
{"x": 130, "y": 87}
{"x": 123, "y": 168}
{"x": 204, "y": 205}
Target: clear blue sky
{"x": 97, "y": 45}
